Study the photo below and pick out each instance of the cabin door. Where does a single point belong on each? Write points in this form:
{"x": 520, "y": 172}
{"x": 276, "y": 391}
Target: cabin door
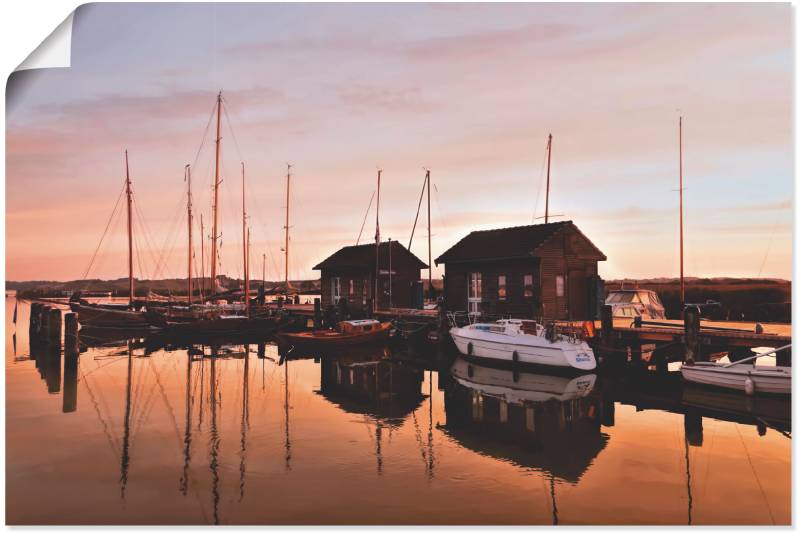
{"x": 474, "y": 292}
{"x": 578, "y": 295}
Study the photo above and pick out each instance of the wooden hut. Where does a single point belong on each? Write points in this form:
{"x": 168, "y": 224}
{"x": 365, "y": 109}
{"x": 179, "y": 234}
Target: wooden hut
{"x": 350, "y": 274}
{"x": 542, "y": 270}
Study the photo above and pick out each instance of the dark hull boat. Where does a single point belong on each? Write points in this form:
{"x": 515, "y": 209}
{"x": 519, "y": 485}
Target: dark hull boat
{"x": 101, "y": 316}
{"x": 348, "y": 333}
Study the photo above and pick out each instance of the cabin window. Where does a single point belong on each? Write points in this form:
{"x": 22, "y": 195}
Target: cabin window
{"x": 501, "y": 287}
{"x": 527, "y": 285}
{"x": 336, "y": 289}
{"x": 364, "y": 292}
{"x": 474, "y": 292}
{"x": 559, "y": 285}
{"x": 352, "y": 288}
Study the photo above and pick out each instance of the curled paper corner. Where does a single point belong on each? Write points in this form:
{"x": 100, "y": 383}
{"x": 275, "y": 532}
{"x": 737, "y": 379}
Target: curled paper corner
{"x": 54, "y": 51}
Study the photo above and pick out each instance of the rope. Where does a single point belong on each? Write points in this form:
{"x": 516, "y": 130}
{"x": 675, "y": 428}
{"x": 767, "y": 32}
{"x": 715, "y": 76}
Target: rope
{"x": 108, "y": 224}
{"x": 413, "y": 228}
{"x": 539, "y": 190}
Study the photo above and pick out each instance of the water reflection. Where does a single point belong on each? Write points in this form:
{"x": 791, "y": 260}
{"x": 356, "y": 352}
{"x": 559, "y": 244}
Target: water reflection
{"x": 543, "y": 422}
{"x": 171, "y": 432}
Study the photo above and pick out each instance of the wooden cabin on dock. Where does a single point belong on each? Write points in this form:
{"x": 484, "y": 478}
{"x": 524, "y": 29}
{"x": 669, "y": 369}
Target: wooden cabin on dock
{"x": 542, "y": 270}
{"x": 350, "y": 274}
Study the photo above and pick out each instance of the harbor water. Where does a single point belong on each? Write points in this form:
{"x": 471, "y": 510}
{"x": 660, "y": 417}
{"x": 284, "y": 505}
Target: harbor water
{"x": 143, "y": 433}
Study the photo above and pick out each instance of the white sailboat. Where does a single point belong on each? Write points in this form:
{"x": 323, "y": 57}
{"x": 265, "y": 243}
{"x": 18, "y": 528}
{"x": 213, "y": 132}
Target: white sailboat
{"x": 523, "y": 341}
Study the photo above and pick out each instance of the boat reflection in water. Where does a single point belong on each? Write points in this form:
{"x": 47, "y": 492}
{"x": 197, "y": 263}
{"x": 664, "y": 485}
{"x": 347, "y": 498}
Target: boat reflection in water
{"x": 371, "y": 382}
{"x": 544, "y": 422}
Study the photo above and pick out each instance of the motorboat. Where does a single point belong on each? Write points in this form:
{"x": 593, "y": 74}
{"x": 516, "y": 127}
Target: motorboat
{"x": 631, "y": 303}
{"x": 346, "y": 333}
{"x": 523, "y": 341}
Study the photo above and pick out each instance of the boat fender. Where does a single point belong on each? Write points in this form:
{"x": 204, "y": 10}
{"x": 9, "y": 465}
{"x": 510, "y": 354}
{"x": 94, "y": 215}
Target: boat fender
{"x": 470, "y": 371}
{"x": 515, "y": 357}
{"x": 749, "y": 386}
{"x": 469, "y": 348}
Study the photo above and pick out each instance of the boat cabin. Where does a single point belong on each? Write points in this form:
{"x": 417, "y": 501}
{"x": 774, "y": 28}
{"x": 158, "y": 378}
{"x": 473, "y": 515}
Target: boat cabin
{"x": 358, "y": 326}
{"x": 633, "y": 303}
{"x": 537, "y": 271}
{"x": 350, "y": 274}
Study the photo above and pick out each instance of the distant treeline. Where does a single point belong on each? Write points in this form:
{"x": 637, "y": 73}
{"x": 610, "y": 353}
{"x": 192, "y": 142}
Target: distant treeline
{"x": 119, "y": 287}
{"x": 749, "y": 299}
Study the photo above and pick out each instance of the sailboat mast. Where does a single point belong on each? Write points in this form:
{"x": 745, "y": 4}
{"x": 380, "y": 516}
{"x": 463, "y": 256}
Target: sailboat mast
{"x": 377, "y": 242}
{"x": 247, "y": 274}
{"x": 189, "y": 220}
{"x": 286, "y": 244}
{"x": 202, "y": 259}
{"x": 130, "y": 229}
{"x": 680, "y": 194}
{"x": 216, "y": 199}
{"x": 430, "y": 265}
{"x": 547, "y": 193}
{"x": 244, "y": 242}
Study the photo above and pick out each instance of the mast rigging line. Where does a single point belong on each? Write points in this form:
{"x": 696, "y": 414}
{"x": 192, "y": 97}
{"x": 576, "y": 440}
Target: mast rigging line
{"x": 108, "y": 224}
{"x": 541, "y": 180}
{"x": 365, "y": 218}
{"x": 419, "y": 206}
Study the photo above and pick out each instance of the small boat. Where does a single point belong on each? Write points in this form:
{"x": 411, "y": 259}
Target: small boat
{"x": 523, "y": 341}
{"x": 357, "y": 332}
{"x": 752, "y": 379}
{"x": 633, "y": 303}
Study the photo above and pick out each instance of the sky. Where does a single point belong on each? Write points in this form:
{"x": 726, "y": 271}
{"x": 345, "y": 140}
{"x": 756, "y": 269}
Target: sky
{"x": 469, "y": 91}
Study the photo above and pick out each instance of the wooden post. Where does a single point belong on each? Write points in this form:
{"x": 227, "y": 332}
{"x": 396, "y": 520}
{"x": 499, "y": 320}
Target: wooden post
{"x": 784, "y": 358}
{"x": 317, "y": 314}
{"x": 70, "y": 333}
{"x": 34, "y": 321}
{"x": 71, "y": 352}
{"x": 691, "y": 325}
{"x": 54, "y": 327}
{"x": 44, "y": 323}
{"x": 52, "y": 367}
{"x": 606, "y": 329}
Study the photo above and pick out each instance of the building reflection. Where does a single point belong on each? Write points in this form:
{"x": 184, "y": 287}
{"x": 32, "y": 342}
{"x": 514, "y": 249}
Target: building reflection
{"x": 537, "y": 421}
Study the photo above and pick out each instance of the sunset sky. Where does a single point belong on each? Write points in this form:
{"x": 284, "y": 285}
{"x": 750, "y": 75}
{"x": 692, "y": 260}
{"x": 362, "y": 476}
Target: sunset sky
{"x": 470, "y": 91}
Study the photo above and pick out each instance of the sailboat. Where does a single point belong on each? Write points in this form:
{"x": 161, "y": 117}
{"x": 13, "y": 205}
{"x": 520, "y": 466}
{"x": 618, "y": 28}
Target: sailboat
{"x": 106, "y": 315}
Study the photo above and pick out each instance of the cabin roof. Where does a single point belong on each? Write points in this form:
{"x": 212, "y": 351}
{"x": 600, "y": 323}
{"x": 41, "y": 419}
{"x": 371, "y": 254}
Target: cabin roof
{"x": 363, "y": 256}
{"x": 508, "y": 243}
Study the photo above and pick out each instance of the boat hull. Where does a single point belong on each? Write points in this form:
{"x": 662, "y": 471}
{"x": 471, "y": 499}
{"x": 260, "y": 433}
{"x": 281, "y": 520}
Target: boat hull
{"x": 771, "y": 380}
{"x": 329, "y": 338}
{"x": 104, "y": 317}
{"x": 527, "y": 349}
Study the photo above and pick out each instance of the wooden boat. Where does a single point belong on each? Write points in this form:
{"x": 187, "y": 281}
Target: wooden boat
{"x": 752, "y": 379}
{"x": 523, "y": 341}
{"x": 358, "y": 332}
{"x": 105, "y": 316}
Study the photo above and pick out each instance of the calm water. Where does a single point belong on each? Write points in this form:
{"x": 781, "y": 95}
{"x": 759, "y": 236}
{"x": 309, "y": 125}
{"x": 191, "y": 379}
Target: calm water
{"x": 167, "y": 436}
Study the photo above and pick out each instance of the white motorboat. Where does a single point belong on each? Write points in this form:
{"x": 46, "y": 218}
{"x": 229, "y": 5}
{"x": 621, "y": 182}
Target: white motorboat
{"x": 518, "y": 388}
{"x": 523, "y": 341}
{"x": 748, "y": 378}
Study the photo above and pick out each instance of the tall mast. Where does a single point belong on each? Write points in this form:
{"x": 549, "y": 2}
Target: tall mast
{"x": 680, "y": 195}
{"x": 430, "y": 265}
{"x": 377, "y": 242}
{"x": 202, "y": 259}
{"x": 286, "y": 244}
{"x": 263, "y": 269}
{"x": 247, "y": 275}
{"x": 130, "y": 230}
{"x": 189, "y": 209}
{"x": 244, "y": 239}
{"x": 547, "y": 194}
{"x": 215, "y": 234}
